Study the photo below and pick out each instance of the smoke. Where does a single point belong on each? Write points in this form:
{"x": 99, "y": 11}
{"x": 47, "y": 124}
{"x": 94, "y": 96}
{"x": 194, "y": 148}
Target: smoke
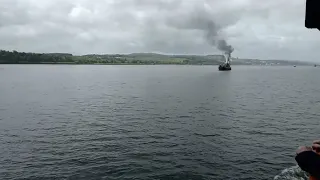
{"x": 212, "y": 35}
{"x": 200, "y": 18}
{"x": 223, "y": 46}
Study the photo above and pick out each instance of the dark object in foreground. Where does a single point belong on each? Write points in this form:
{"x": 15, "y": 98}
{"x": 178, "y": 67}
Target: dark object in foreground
{"x": 225, "y": 67}
{"x": 309, "y": 161}
{"x": 312, "y": 19}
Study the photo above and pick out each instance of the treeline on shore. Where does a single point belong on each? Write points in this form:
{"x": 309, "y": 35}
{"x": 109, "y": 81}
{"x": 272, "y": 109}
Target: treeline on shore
{"x": 14, "y": 57}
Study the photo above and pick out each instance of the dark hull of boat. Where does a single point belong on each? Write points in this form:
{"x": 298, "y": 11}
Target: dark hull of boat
{"x": 224, "y": 68}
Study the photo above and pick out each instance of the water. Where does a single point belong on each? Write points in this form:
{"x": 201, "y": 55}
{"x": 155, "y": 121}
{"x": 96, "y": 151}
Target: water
{"x": 293, "y": 173}
{"x": 154, "y": 122}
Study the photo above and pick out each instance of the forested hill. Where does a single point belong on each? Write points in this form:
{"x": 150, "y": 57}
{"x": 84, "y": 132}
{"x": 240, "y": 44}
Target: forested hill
{"x": 14, "y": 57}
{"x": 7, "y": 57}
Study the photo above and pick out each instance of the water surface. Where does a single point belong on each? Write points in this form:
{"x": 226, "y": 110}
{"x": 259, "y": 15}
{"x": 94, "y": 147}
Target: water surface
{"x": 154, "y": 122}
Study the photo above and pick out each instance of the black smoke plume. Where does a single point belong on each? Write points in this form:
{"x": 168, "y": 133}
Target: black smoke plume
{"x": 199, "y": 18}
{"x": 212, "y": 36}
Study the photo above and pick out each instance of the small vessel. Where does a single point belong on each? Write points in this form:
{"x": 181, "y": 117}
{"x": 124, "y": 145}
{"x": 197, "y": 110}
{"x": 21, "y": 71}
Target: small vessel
{"x": 315, "y": 65}
{"x": 294, "y": 66}
{"x": 226, "y": 66}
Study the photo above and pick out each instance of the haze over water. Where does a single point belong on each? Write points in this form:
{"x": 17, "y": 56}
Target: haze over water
{"x": 154, "y": 122}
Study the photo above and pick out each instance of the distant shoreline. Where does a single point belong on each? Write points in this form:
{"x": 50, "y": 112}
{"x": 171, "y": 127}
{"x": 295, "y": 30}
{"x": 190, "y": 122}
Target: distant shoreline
{"x": 123, "y": 64}
{"x": 14, "y": 57}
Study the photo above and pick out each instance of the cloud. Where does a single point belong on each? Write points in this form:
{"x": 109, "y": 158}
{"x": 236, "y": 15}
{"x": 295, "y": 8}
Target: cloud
{"x": 269, "y": 30}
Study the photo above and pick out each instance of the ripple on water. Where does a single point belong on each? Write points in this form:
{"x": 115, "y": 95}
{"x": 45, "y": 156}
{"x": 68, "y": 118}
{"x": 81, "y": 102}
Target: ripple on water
{"x": 154, "y": 122}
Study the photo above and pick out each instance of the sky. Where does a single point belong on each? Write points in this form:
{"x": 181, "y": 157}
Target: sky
{"x": 271, "y": 29}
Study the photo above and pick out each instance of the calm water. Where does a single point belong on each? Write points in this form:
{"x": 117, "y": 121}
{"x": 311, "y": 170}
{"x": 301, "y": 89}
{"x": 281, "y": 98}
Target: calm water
{"x": 154, "y": 122}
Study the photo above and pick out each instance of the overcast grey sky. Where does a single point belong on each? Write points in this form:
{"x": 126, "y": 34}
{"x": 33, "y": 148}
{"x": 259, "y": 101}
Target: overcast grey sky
{"x": 271, "y": 29}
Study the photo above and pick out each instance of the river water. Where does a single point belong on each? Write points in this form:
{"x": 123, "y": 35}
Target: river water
{"x": 154, "y": 122}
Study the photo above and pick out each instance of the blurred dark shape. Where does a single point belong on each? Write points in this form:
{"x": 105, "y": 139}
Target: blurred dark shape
{"x": 309, "y": 161}
{"x": 312, "y": 19}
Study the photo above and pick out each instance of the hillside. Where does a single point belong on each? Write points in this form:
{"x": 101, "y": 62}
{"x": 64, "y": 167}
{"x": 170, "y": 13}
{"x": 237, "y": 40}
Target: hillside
{"x": 14, "y": 57}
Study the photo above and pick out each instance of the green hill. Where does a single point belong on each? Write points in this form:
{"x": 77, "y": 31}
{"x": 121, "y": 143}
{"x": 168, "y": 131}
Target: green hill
{"x": 14, "y": 57}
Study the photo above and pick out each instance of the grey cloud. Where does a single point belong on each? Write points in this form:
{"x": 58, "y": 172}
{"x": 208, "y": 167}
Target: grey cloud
{"x": 270, "y": 30}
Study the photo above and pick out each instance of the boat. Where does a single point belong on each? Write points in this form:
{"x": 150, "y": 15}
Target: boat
{"x": 226, "y": 66}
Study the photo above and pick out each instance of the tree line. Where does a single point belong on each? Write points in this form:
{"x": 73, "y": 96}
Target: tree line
{"x": 14, "y": 57}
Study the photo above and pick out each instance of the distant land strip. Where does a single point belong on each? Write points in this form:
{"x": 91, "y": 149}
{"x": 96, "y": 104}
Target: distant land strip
{"x": 14, "y": 57}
